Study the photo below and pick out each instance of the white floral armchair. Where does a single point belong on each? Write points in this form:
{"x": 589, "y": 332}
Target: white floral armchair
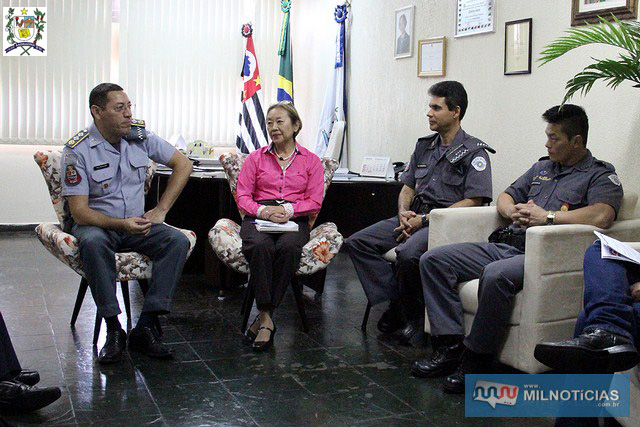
{"x": 324, "y": 243}
{"x": 64, "y": 246}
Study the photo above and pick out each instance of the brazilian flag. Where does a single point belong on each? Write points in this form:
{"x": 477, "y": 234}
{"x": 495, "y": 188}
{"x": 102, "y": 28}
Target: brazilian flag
{"x": 285, "y": 75}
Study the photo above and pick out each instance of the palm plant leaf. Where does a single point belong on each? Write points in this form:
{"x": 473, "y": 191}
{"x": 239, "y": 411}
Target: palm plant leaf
{"x": 623, "y": 35}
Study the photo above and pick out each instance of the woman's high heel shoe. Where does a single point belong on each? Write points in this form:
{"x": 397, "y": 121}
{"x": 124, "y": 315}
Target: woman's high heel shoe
{"x": 259, "y": 346}
{"x": 249, "y": 335}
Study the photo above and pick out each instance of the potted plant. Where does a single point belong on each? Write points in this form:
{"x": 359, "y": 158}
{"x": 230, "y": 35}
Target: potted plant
{"x": 623, "y": 35}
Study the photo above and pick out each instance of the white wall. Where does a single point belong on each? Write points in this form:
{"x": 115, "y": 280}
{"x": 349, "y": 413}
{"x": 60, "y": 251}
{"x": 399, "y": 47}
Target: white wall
{"x": 387, "y": 100}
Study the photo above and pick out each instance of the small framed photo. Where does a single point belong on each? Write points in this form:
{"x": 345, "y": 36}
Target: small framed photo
{"x": 517, "y": 46}
{"x": 432, "y": 54}
{"x": 403, "y": 42}
{"x": 587, "y": 11}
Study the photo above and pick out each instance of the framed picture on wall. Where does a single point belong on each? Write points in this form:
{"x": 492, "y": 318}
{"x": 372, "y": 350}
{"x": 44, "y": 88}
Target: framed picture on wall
{"x": 588, "y": 10}
{"x": 403, "y": 41}
{"x": 432, "y": 55}
{"x": 517, "y": 47}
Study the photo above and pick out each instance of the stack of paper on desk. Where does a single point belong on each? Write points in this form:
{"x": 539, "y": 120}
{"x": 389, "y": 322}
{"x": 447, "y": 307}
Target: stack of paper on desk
{"x": 614, "y": 249}
{"x": 272, "y": 227}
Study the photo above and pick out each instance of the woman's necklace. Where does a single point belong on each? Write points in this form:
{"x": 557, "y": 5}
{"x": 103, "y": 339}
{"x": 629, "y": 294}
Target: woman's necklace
{"x": 282, "y": 159}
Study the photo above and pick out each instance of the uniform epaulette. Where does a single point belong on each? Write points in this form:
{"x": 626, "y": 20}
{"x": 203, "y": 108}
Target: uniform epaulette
{"x": 138, "y": 132}
{"x": 457, "y": 153}
{"x": 485, "y": 146}
{"x": 429, "y": 139}
{"x": 606, "y": 164}
{"x": 77, "y": 138}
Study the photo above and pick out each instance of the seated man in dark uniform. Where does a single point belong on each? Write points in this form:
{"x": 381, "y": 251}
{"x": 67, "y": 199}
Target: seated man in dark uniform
{"x": 448, "y": 169}
{"x": 17, "y": 387}
{"x": 105, "y": 167}
{"x": 568, "y": 187}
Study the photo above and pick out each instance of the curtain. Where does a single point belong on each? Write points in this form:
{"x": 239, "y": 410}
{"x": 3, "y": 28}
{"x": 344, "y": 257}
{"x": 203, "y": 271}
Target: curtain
{"x": 43, "y": 100}
{"x": 180, "y": 62}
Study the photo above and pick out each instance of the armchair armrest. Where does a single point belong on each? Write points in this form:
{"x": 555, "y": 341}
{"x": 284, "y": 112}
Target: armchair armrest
{"x": 459, "y": 225}
{"x": 553, "y": 276}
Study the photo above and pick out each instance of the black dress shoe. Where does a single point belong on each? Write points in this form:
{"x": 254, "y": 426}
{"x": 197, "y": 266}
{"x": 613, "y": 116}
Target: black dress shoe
{"x": 443, "y": 361}
{"x": 412, "y": 333}
{"x": 113, "y": 347}
{"x": 259, "y": 346}
{"x": 27, "y": 377}
{"x": 18, "y": 397}
{"x": 391, "y": 320}
{"x": 470, "y": 363}
{"x": 596, "y": 350}
{"x": 144, "y": 340}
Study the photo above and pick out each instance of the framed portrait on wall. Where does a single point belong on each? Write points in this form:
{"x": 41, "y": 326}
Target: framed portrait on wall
{"x": 588, "y": 10}
{"x": 403, "y": 41}
{"x": 517, "y": 47}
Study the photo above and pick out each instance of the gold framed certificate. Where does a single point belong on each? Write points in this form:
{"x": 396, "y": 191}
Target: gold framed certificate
{"x": 432, "y": 55}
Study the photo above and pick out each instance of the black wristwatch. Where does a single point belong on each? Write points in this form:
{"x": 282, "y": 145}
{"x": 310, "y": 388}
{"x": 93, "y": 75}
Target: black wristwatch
{"x": 425, "y": 220}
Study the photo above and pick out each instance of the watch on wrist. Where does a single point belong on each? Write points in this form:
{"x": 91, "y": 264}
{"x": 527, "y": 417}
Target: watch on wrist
{"x": 551, "y": 218}
{"x": 425, "y": 220}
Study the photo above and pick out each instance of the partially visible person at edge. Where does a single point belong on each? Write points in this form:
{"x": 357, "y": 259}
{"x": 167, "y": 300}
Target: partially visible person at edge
{"x": 281, "y": 182}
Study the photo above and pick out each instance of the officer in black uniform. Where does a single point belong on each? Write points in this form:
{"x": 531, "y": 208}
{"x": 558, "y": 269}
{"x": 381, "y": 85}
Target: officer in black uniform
{"x": 447, "y": 169}
{"x": 568, "y": 187}
{"x": 17, "y": 386}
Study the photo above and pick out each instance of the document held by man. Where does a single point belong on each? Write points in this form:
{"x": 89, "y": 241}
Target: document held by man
{"x": 615, "y": 249}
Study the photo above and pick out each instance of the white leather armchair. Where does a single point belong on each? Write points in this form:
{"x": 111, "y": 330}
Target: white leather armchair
{"x": 547, "y": 307}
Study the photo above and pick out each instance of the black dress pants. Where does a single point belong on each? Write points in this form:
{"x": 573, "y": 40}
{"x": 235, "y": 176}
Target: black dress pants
{"x": 273, "y": 260}
{"x": 9, "y": 364}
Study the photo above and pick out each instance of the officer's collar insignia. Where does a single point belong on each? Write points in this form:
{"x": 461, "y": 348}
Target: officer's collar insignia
{"x": 77, "y": 138}
{"x": 137, "y": 122}
{"x": 455, "y": 154}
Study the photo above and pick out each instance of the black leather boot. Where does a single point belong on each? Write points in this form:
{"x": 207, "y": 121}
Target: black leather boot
{"x": 447, "y": 350}
{"x": 470, "y": 363}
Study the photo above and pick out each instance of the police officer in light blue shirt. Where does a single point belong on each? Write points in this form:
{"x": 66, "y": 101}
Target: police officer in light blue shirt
{"x": 104, "y": 168}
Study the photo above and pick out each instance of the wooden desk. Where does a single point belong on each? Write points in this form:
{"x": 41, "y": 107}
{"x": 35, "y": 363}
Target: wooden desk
{"x": 352, "y": 205}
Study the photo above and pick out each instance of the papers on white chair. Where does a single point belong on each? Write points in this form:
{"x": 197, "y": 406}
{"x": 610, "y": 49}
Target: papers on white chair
{"x": 615, "y": 249}
{"x": 273, "y": 227}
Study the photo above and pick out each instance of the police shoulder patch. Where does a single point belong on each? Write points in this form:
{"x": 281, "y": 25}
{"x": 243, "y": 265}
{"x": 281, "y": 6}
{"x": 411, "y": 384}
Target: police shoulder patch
{"x": 77, "y": 138}
{"x": 479, "y": 163}
{"x": 614, "y": 178}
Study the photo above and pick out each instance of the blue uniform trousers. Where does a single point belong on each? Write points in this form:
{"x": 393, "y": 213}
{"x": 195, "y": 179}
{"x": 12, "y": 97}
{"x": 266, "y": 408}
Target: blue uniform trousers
{"x": 9, "y": 365}
{"x": 167, "y": 248}
{"x": 607, "y": 298}
{"x": 366, "y": 248}
{"x": 500, "y": 268}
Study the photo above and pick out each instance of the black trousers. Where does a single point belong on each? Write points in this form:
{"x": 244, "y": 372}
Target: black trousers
{"x": 9, "y": 364}
{"x": 273, "y": 260}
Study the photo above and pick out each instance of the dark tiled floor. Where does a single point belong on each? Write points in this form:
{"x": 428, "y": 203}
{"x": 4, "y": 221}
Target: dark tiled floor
{"x": 334, "y": 375}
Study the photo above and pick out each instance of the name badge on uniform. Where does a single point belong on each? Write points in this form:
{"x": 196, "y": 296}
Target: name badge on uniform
{"x": 422, "y": 166}
{"x": 102, "y": 166}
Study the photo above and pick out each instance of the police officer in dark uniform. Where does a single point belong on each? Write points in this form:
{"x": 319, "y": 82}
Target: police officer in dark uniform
{"x": 17, "y": 386}
{"x": 104, "y": 174}
{"x": 568, "y": 187}
{"x": 447, "y": 169}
